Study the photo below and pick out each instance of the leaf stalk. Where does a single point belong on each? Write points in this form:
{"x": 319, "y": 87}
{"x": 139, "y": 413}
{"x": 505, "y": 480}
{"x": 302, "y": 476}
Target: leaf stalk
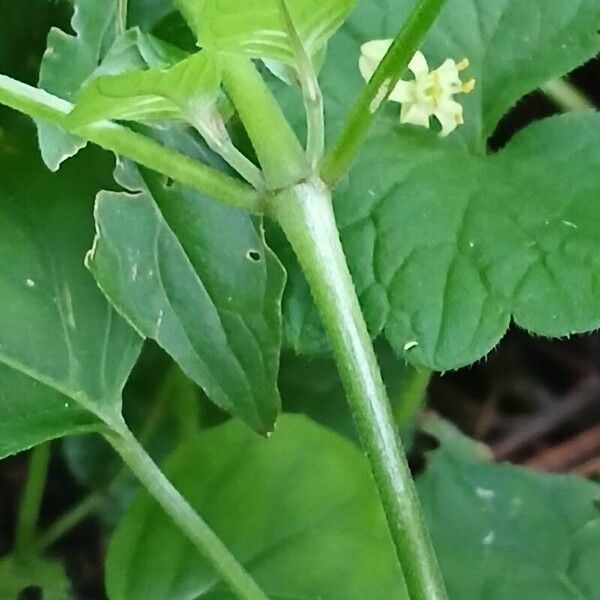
{"x": 123, "y": 141}
{"x": 184, "y": 516}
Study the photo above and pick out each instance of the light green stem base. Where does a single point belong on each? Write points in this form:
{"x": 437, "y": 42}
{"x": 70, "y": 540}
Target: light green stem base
{"x": 306, "y": 216}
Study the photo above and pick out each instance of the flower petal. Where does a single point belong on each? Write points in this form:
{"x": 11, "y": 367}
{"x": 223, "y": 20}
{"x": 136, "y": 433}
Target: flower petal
{"x": 450, "y": 116}
{"x": 415, "y": 114}
{"x": 404, "y": 91}
{"x": 449, "y": 77}
{"x": 418, "y": 65}
{"x": 372, "y": 54}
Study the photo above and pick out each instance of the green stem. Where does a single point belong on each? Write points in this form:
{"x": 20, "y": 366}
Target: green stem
{"x": 311, "y": 93}
{"x": 566, "y": 96}
{"x": 120, "y": 140}
{"x": 412, "y": 397}
{"x": 279, "y": 152}
{"x": 305, "y": 213}
{"x": 69, "y": 520}
{"x": 384, "y": 80}
{"x": 184, "y": 516}
{"x": 215, "y": 134}
{"x": 175, "y": 388}
{"x": 31, "y": 500}
{"x": 121, "y": 17}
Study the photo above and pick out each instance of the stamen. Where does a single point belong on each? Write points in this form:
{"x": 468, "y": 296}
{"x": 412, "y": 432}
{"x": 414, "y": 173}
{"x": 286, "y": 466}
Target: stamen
{"x": 463, "y": 64}
{"x": 468, "y": 86}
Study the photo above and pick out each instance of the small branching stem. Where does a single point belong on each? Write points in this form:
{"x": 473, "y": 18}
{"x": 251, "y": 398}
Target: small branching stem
{"x": 311, "y": 92}
{"x": 278, "y": 150}
{"x": 122, "y": 9}
{"x": 566, "y": 96}
{"x": 215, "y": 134}
{"x": 412, "y": 397}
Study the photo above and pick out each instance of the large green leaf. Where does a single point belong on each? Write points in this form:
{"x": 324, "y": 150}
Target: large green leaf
{"x": 312, "y": 386}
{"x": 506, "y": 533}
{"x": 402, "y": 207}
{"x": 256, "y": 27}
{"x": 298, "y": 510}
{"x": 446, "y": 247}
{"x": 198, "y": 278}
{"x": 64, "y": 352}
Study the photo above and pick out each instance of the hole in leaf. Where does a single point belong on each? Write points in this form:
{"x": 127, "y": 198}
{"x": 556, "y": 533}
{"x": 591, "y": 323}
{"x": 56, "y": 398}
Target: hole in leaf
{"x": 168, "y": 183}
{"x": 33, "y": 592}
{"x": 253, "y": 255}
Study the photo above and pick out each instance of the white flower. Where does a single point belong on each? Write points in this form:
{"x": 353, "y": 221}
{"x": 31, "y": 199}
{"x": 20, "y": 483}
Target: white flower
{"x": 429, "y": 94}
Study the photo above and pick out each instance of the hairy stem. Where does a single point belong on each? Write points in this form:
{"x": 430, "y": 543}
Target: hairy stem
{"x": 384, "y": 80}
{"x": 306, "y": 216}
{"x": 121, "y": 140}
{"x": 31, "y": 500}
{"x": 183, "y": 515}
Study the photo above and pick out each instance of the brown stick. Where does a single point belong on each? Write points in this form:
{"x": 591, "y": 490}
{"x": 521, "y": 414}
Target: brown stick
{"x": 587, "y": 392}
{"x": 570, "y": 454}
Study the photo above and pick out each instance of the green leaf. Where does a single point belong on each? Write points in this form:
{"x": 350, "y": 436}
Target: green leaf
{"x": 460, "y": 245}
{"x": 402, "y": 208}
{"x": 64, "y": 353}
{"x": 188, "y": 90}
{"x": 199, "y": 279}
{"x": 161, "y": 408}
{"x": 47, "y": 577}
{"x": 446, "y": 247}
{"x": 514, "y": 46}
{"x": 298, "y": 510}
{"x": 136, "y": 49}
{"x": 148, "y": 13}
{"x": 309, "y": 512}
{"x": 70, "y": 60}
{"x": 256, "y": 27}
{"x": 522, "y": 535}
